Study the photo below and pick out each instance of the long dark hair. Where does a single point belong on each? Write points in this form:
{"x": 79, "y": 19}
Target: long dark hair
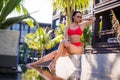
{"x": 74, "y": 13}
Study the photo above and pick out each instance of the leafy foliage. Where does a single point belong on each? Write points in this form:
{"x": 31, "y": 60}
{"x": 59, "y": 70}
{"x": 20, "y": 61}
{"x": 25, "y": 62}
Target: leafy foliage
{"x": 8, "y": 6}
{"x": 86, "y": 36}
{"x": 31, "y": 74}
{"x": 67, "y": 6}
{"x": 41, "y": 39}
{"x": 73, "y": 4}
{"x": 60, "y": 30}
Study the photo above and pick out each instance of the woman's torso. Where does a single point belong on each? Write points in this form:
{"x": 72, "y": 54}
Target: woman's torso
{"x": 74, "y": 34}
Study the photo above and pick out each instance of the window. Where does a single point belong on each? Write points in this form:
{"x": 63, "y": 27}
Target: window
{"x": 16, "y": 27}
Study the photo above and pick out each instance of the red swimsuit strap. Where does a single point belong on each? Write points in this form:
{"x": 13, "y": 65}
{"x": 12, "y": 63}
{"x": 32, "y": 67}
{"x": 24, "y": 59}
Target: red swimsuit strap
{"x": 77, "y": 43}
{"x": 76, "y": 31}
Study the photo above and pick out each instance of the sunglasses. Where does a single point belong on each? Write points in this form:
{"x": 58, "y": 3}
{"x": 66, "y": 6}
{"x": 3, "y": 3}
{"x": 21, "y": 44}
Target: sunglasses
{"x": 79, "y": 16}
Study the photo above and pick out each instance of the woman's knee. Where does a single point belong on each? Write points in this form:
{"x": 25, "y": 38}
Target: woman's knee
{"x": 62, "y": 42}
{"x": 65, "y": 43}
{"x": 55, "y": 52}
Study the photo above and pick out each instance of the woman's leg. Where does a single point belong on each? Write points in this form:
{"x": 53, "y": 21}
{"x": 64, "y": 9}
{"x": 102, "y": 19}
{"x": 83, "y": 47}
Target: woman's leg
{"x": 55, "y": 54}
{"x": 45, "y": 58}
{"x": 73, "y": 49}
{"x": 68, "y": 48}
{"x": 60, "y": 52}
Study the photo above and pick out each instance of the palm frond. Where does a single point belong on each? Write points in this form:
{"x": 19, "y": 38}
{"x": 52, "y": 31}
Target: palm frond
{"x": 9, "y": 7}
{"x": 10, "y": 21}
{"x": 1, "y": 5}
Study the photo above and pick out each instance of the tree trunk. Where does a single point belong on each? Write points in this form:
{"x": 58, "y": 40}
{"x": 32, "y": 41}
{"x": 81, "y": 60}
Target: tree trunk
{"x": 68, "y": 12}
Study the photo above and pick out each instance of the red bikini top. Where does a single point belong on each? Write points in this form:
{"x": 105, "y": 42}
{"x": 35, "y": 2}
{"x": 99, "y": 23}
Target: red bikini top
{"x": 77, "y": 31}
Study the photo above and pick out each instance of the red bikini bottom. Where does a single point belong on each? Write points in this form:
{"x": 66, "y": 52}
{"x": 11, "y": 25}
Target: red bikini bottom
{"x": 77, "y": 43}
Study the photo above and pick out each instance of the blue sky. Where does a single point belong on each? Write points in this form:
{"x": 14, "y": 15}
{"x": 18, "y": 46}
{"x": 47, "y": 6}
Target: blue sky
{"x": 44, "y": 8}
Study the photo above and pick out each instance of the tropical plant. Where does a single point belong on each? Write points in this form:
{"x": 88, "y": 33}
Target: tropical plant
{"x": 60, "y": 30}
{"x": 100, "y": 26}
{"x": 86, "y": 36}
{"x": 41, "y": 40}
{"x": 8, "y": 6}
{"x": 67, "y": 6}
{"x": 23, "y": 51}
{"x": 31, "y": 74}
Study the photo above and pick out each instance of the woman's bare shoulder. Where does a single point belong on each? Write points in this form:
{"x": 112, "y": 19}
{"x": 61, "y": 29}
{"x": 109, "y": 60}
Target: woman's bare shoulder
{"x": 81, "y": 26}
{"x": 67, "y": 27}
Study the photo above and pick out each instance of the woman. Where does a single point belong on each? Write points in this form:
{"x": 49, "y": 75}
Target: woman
{"x": 71, "y": 43}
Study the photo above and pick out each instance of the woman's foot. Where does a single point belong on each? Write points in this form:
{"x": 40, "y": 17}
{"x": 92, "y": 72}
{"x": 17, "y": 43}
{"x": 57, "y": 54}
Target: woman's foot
{"x": 30, "y": 65}
{"x": 52, "y": 66}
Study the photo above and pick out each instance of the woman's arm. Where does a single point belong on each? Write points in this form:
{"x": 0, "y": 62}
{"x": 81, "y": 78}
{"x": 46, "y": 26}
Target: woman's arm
{"x": 66, "y": 34}
{"x": 87, "y": 22}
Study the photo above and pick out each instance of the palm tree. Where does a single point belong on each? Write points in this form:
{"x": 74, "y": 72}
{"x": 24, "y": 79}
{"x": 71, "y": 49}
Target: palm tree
{"x": 41, "y": 40}
{"x": 68, "y": 6}
{"x": 8, "y": 6}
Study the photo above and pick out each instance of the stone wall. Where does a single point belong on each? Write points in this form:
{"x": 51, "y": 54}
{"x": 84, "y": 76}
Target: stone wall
{"x": 8, "y": 48}
{"x": 89, "y": 66}
{"x": 101, "y": 64}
